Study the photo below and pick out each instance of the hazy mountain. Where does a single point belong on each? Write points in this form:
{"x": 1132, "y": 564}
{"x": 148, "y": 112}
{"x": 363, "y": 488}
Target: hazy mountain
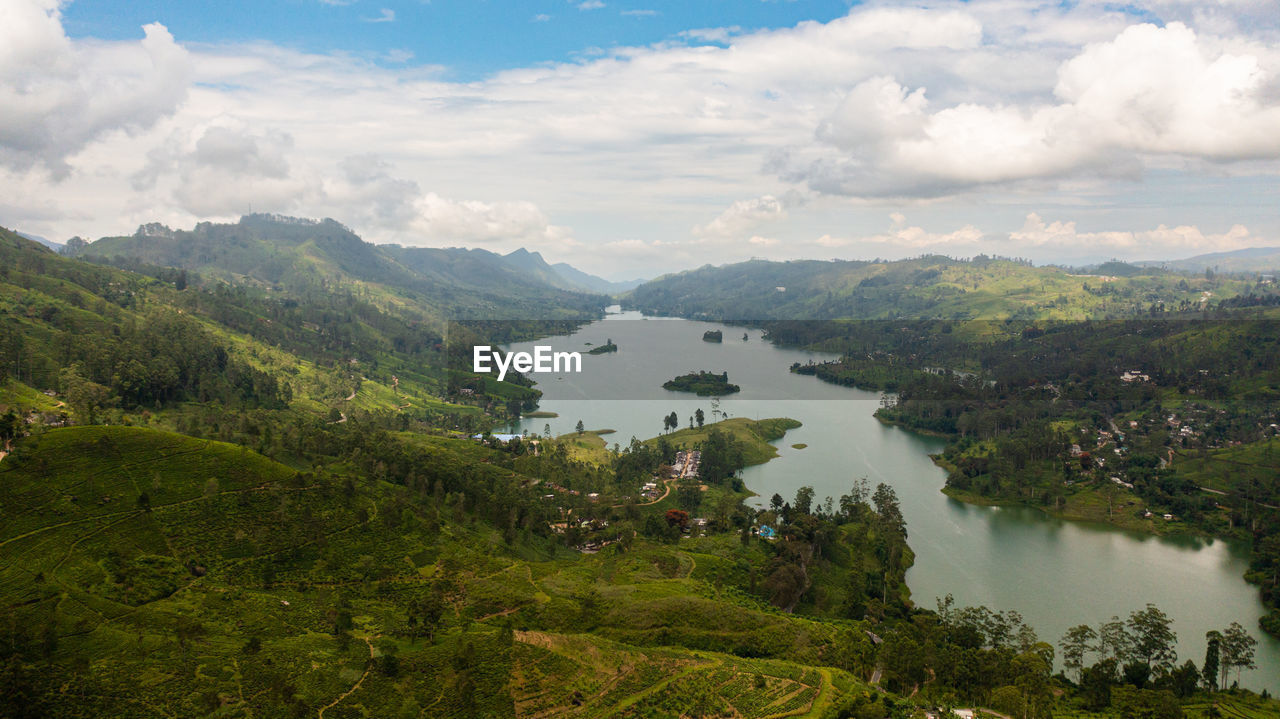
{"x": 591, "y": 282}
{"x": 929, "y": 286}
{"x": 55, "y": 246}
{"x": 1247, "y": 260}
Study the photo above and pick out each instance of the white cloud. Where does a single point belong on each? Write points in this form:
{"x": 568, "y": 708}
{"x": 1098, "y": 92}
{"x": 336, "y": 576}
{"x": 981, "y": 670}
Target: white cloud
{"x": 742, "y": 216}
{"x": 226, "y": 170}
{"x": 1169, "y": 241}
{"x": 590, "y": 5}
{"x": 968, "y": 110}
{"x": 540, "y": 17}
{"x": 639, "y": 13}
{"x": 385, "y": 15}
{"x": 57, "y": 95}
{"x": 909, "y": 238}
{"x": 442, "y": 220}
{"x": 1148, "y": 94}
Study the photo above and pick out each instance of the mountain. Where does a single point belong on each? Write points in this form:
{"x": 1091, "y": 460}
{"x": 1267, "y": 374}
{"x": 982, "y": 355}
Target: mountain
{"x": 311, "y": 256}
{"x": 56, "y": 247}
{"x": 1247, "y": 260}
{"x": 926, "y": 287}
{"x": 592, "y": 283}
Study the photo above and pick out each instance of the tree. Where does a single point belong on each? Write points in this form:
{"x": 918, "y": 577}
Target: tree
{"x": 1212, "y": 654}
{"x": 580, "y": 427}
{"x": 1184, "y": 679}
{"x": 890, "y": 512}
{"x": 1095, "y": 684}
{"x": 1153, "y": 639}
{"x": 677, "y": 518}
{"x": 1237, "y": 650}
{"x": 699, "y": 417}
{"x": 776, "y": 502}
{"x": 689, "y": 495}
{"x": 1075, "y": 643}
{"x": 1114, "y": 641}
{"x": 804, "y": 500}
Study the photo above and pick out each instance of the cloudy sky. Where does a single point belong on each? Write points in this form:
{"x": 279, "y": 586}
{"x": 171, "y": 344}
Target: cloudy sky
{"x": 632, "y": 138}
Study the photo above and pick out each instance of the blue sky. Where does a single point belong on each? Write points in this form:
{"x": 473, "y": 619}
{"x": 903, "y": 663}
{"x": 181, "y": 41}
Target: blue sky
{"x": 471, "y": 38}
{"x": 633, "y": 143}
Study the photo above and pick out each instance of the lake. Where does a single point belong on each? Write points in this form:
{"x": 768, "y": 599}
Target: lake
{"x": 1055, "y": 573}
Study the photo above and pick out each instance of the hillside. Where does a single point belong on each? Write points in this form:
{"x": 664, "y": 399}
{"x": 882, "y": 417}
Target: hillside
{"x": 106, "y": 342}
{"x": 308, "y": 256}
{"x": 194, "y": 575}
{"x": 1248, "y": 261}
{"x": 266, "y": 504}
{"x": 926, "y": 287}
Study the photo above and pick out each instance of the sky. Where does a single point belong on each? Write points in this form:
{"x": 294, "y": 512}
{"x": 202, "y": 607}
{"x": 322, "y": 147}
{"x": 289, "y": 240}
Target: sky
{"x": 637, "y": 138}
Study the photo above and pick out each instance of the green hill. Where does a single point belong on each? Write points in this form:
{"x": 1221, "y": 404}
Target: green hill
{"x": 165, "y": 571}
{"x": 983, "y": 288}
{"x": 309, "y": 256}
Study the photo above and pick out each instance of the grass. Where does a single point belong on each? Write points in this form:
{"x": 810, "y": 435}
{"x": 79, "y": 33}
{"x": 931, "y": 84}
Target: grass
{"x": 280, "y": 554}
{"x": 755, "y": 436}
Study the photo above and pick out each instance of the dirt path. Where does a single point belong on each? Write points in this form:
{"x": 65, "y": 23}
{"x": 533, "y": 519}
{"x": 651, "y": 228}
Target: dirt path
{"x": 665, "y": 494}
{"x": 354, "y": 687}
{"x": 353, "y": 396}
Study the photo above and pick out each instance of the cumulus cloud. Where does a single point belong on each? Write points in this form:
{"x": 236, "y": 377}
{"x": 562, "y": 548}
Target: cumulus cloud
{"x": 442, "y": 220}
{"x": 227, "y": 170}
{"x": 58, "y": 95}
{"x": 1150, "y": 92}
{"x": 744, "y": 215}
{"x": 909, "y": 238}
{"x": 1061, "y": 235}
{"x": 1007, "y": 105}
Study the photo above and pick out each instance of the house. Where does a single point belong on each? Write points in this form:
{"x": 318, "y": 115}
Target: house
{"x": 499, "y": 437}
{"x": 766, "y": 532}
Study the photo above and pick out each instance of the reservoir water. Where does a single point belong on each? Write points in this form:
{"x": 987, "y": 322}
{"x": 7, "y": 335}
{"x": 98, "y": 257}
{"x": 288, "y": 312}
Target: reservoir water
{"x": 1055, "y": 573}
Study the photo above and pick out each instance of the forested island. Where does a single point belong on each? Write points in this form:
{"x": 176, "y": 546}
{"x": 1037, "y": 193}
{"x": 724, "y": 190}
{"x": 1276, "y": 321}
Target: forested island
{"x": 605, "y": 348}
{"x": 702, "y": 383}
{"x": 713, "y": 336}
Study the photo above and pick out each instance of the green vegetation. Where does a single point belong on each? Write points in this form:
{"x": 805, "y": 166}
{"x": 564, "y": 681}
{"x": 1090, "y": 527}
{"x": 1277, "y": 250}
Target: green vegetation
{"x": 799, "y": 445}
{"x": 240, "y": 482}
{"x": 702, "y": 383}
{"x": 605, "y": 348}
{"x": 1135, "y": 396}
{"x": 984, "y": 288}
{"x": 754, "y": 437}
{"x": 713, "y": 336}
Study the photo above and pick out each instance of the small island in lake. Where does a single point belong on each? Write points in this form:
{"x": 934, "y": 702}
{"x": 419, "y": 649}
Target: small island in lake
{"x": 605, "y": 348}
{"x": 704, "y": 384}
{"x": 713, "y": 336}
